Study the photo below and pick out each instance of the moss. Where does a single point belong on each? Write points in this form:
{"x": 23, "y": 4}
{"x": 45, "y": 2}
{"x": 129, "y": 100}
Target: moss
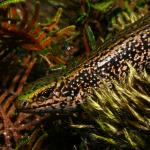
{"x": 121, "y": 114}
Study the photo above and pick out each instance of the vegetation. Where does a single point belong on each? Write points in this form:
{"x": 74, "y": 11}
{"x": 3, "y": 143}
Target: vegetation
{"x": 122, "y": 114}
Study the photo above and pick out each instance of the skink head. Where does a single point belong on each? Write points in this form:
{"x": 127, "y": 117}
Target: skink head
{"x": 35, "y": 96}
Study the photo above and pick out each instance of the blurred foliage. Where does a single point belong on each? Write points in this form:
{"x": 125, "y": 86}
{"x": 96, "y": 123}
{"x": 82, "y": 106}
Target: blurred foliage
{"x": 5, "y": 3}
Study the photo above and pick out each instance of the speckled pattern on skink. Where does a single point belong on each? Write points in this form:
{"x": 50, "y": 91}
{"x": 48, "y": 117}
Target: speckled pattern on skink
{"x": 67, "y": 92}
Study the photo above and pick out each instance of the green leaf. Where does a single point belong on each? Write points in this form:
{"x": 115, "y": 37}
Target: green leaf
{"x": 7, "y": 2}
{"x": 103, "y": 6}
{"x": 91, "y": 38}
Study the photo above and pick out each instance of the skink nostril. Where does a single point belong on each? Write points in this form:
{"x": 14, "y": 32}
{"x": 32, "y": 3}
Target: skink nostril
{"x": 24, "y": 104}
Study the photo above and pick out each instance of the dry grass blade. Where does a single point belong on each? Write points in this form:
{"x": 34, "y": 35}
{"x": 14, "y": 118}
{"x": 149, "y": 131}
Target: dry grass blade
{"x": 10, "y": 128}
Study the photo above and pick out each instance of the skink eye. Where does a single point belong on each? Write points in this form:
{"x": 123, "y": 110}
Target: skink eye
{"x": 45, "y": 94}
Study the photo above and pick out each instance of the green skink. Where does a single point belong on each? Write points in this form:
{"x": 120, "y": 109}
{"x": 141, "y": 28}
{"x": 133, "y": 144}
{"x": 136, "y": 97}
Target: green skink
{"x": 109, "y": 62}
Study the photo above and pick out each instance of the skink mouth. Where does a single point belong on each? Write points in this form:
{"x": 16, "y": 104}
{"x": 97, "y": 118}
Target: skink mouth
{"x": 26, "y": 107}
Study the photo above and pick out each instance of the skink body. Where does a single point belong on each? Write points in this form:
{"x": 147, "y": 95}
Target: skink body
{"x": 109, "y": 62}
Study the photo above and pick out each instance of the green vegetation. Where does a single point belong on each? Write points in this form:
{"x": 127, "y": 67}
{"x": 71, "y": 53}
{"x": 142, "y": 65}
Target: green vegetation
{"x": 121, "y": 114}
